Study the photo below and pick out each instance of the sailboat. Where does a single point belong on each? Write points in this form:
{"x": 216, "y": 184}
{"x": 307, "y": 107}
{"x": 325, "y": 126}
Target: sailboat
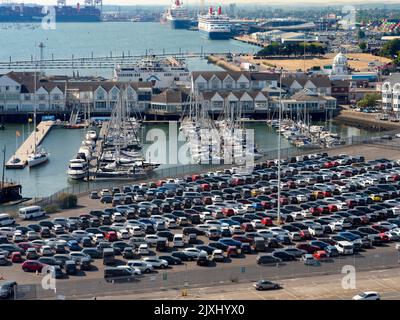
{"x": 38, "y": 156}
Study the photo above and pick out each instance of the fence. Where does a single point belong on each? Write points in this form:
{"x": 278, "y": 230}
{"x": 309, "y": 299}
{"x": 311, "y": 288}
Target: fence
{"x": 189, "y": 277}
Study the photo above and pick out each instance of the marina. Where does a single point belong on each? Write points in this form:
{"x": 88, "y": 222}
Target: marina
{"x": 20, "y": 158}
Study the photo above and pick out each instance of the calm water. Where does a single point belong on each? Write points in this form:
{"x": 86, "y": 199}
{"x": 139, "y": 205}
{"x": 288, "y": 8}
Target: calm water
{"x": 103, "y": 39}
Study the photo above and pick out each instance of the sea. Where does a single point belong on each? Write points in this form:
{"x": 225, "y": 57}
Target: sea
{"x": 67, "y": 40}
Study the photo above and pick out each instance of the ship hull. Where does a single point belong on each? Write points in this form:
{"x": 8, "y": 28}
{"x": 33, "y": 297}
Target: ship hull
{"x": 215, "y": 35}
{"x": 179, "y": 23}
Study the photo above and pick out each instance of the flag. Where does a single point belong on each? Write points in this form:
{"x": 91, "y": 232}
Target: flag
{"x": 17, "y": 133}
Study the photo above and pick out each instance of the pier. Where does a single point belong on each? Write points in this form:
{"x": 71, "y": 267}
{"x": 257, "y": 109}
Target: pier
{"x": 28, "y": 145}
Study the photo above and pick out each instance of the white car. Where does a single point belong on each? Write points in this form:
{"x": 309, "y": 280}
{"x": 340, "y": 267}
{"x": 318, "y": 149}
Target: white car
{"x": 316, "y": 230}
{"x": 117, "y": 217}
{"x": 152, "y": 239}
{"x": 257, "y": 223}
{"x": 178, "y": 241}
{"x": 98, "y": 237}
{"x": 123, "y": 234}
{"x": 143, "y": 266}
{"x": 278, "y": 231}
{"x": 143, "y": 249}
{"x": 156, "y": 262}
{"x": 58, "y": 229}
{"x": 294, "y": 236}
{"x": 7, "y": 231}
{"x": 32, "y": 235}
{"x": 46, "y": 251}
{"x": 235, "y": 229}
{"x": 170, "y": 223}
{"x": 135, "y": 231}
{"x": 18, "y": 236}
{"x": 394, "y": 234}
{"x": 79, "y": 234}
{"x": 367, "y": 295}
{"x": 336, "y": 225}
{"x": 202, "y": 227}
{"x": 132, "y": 270}
{"x": 194, "y": 252}
{"x": 217, "y": 199}
{"x": 105, "y": 192}
{"x": 388, "y": 225}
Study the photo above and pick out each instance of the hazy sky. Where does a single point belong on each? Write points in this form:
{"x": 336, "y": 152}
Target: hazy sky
{"x": 216, "y": 2}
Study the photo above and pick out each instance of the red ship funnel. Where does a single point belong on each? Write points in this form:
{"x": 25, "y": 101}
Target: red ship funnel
{"x": 177, "y": 3}
{"x": 210, "y": 11}
{"x": 219, "y": 10}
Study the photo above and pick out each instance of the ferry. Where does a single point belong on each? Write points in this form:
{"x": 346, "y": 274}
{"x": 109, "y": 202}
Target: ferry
{"x": 160, "y": 72}
{"x": 215, "y": 25}
{"x": 177, "y": 16}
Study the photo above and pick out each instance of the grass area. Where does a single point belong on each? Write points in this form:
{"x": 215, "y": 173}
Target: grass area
{"x": 357, "y": 61}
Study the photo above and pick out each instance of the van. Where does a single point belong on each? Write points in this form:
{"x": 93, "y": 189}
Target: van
{"x": 6, "y": 220}
{"x": 259, "y": 244}
{"x": 119, "y": 273}
{"x": 178, "y": 241}
{"x": 108, "y": 256}
{"x": 345, "y": 247}
{"x": 31, "y": 212}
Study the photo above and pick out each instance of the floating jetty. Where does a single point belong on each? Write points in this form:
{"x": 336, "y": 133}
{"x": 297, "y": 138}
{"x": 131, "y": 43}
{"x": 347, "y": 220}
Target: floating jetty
{"x": 20, "y": 159}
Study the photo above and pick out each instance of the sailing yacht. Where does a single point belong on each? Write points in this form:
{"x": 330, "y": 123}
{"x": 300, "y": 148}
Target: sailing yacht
{"x": 38, "y": 156}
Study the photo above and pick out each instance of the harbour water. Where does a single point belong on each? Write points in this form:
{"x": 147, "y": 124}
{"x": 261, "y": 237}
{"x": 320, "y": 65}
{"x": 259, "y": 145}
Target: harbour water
{"x": 63, "y": 144}
{"x": 108, "y": 38}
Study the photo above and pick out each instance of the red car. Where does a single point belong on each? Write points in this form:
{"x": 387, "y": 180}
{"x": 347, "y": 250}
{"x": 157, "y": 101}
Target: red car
{"x": 305, "y": 234}
{"x": 247, "y": 227}
{"x": 316, "y": 211}
{"x": 380, "y": 228}
{"x": 205, "y": 187}
{"x": 266, "y": 204}
{"x": 111, "y": 236}
{"x": 16, "y": 257}
{"x": 332, "y": 207}
{"x": 207, "y": 200}
{"x": 195, "y": 177}
{"x": 267, "y": 221}
{"x": 32, "y": 266}
{"x": 384, "y": 237}
{"x": 25, "y": 245}
{"x": 320, "y": 255}
{"x": 307, "y": 247}
{"x": 241, "y": 238}
{"x": 228, "y": 212}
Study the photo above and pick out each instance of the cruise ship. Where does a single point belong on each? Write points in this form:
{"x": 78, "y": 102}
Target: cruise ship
{"x": 215, "y": 25}
{"x": 34, "y": 13}
{"x": 162, "y": 72}
{"x": 177, "y": 16}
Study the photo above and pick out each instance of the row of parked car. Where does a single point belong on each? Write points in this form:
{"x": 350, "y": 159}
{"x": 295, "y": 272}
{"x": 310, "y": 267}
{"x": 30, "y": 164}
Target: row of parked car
{"x": 328, "y": 206}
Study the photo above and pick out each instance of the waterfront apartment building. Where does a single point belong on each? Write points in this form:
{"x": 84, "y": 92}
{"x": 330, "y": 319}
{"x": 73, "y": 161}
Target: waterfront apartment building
{"x": 390, "y": 90}
{"x": 232, "y": 81}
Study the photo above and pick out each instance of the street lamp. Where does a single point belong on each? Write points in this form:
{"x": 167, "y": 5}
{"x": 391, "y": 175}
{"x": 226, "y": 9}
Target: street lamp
{"x": 279, "y": 146}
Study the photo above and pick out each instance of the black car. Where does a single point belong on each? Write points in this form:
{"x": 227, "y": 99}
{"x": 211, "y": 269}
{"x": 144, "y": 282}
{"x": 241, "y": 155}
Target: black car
{"x": 181, "y": 255}
{"x": 268, "y": 259}
{"x": 166, "y": 234}
{"x": 218, "y": 245}
{"x": 171, "y": 260}
{"x": 284, "y": 256}
{"x": 92, "y": 253}
{"x": 70, "y": 267}
{"x": 119, "y": 246}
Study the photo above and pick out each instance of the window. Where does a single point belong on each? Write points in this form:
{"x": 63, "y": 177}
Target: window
{"x": 100, "y": 105}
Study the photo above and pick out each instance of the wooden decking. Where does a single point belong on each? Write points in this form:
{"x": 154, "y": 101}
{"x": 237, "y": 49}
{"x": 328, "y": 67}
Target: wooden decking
{"x": 28, "y": 145}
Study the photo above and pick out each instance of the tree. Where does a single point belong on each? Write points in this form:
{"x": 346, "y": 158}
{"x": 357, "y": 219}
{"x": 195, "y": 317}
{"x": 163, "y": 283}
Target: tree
{"x": 369, "y": 100}
{"x": 361, "y": 34}
{"x": 390, "y": 49}
{"x": 363, "y": 46}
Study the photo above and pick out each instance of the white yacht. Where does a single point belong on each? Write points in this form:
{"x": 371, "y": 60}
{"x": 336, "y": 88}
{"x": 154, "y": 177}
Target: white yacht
{"x": 77, "y": 169}
{"x": 37, "y": 158}
{"x": 91, "y": 135}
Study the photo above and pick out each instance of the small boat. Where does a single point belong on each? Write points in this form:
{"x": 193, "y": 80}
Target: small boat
{"x": 91, "y": 135}
{"x": 37, "y": 158}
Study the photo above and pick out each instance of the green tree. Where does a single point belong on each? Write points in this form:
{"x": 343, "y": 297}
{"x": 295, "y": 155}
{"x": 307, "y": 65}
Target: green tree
{"x": 369, "y": 100}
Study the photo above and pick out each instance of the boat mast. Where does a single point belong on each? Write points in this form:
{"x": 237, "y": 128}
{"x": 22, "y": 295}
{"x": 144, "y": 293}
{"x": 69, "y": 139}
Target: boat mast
{"x": 34, "y": 110}
{"x": 4, "y": 166}
{"x": 279, "y": 148}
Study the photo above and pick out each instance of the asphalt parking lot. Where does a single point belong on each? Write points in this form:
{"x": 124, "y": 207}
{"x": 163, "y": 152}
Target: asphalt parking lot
{"x": 349, "y": 198}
